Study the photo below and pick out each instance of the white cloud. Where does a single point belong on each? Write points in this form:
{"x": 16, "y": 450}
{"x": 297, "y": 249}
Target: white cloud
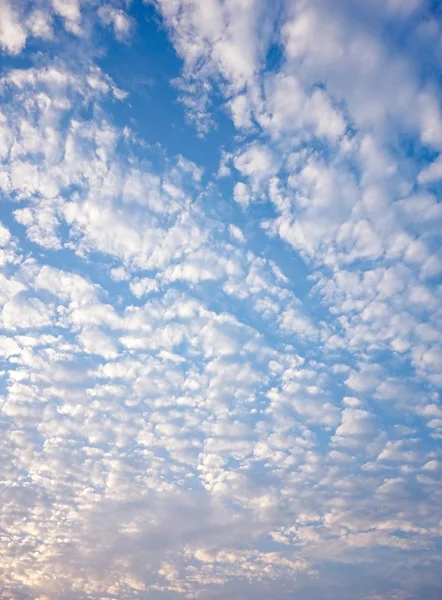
{"x": 142, "y": 287}
{"x": 217, "y": 38}
{"x": 70, "y": 12}
{"x": 39, "y": 23}
{"x": 365, "y": 379}
{"x": 256, "y": 162}
{"x": 118, "y": 19}
{"x": 433, "y": 172}
{"x": 241, "y": 194}
{"x": 97, "y": 342}
{"x": 12, "y": 33}
{"x": 431, "y": 465}
{"x": 236, "y": 233}
{"x": 21, "y": 313}
{"x": 220, "y": 35}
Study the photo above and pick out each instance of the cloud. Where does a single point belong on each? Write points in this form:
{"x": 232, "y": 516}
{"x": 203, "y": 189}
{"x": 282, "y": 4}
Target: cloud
{"x": 217, "y": 39}
{"x": 70, "y": 12}
{"x": 12, "y": 33}
{"x": 217, "y": 36}
{"x": 118, "y": 20}
{"x": 432, "y": 172}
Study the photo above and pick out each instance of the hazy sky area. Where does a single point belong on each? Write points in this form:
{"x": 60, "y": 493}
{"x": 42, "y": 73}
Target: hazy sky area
{"x": 220, "y": 300}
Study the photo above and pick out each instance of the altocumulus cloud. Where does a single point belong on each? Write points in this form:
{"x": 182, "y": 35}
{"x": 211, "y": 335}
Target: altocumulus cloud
{"x": 220, "y": 300}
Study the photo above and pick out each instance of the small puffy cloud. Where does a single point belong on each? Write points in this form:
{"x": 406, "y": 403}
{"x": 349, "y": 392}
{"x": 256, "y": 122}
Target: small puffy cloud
{"x": 70, "y": 12}
{"x": 119, "y": 274}
{"x": 241, "y": 194}
{"x": 95, "y": 341}
{"x": 294, "y": 322}
{"x": 12, "y": 32}
{"x": 26, "y": 313}
{"x": 241, "y": 112}
{"x": 432, "y": 172}
{"x": 142, "y": 287}
{"x": 356, "y": 430}
{"x": 354, "y": 422}
{"x": 118, "y": 20}
{"x": 39, "y": 23}
{"x": 431, "y": 465}
{"x": 257, "y": 162}
{"x": 236, "y": 233}
{"x": 351, "y": 401}
{"x": 364, "y": 380}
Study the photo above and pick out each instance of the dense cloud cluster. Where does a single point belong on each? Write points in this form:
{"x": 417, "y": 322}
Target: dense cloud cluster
{"x": 222, "y": 384}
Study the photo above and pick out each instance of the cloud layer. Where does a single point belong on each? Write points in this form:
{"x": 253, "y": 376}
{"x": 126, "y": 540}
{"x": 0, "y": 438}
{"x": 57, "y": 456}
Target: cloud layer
{"x": 220, "y": 382}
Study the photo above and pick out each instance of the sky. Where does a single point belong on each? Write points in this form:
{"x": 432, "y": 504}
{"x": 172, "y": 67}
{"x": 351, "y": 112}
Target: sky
{"x": 220, "y": 300}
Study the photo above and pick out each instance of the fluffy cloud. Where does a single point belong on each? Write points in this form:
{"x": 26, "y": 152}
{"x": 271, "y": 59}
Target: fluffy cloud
{"x": 12, "y": 32}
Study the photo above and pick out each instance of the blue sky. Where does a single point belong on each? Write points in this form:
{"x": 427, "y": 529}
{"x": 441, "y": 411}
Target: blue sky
{"x": 220, "y": 300}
